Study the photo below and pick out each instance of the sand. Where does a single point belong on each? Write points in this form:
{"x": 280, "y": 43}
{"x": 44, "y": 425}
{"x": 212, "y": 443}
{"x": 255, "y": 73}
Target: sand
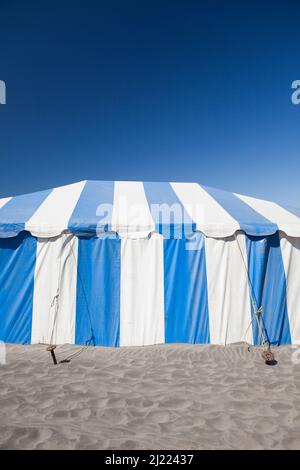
{"x": 154, "y": 397}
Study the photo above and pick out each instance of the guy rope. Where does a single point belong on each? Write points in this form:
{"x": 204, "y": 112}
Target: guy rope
{"x": 267, "y": 354}
{"x": 55, "y": 303}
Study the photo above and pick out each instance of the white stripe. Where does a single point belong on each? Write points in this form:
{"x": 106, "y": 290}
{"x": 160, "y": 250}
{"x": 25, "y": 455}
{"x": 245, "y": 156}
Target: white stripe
{"x": 285, "y": 220}
{"x": 228, "y": 291}
{"x": 290, "y": 249}
{"x": 211, "y": 218}
{"x": 131, "y": 214}
{"x": 53, "y": 215}
{"x": 53, "y": 319}
{"x": 4, "y": 201}
{"x": 142, "y": 292}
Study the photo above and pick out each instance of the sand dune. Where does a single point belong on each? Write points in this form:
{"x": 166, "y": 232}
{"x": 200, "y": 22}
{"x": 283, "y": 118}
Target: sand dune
{"x": 156, "y": 397}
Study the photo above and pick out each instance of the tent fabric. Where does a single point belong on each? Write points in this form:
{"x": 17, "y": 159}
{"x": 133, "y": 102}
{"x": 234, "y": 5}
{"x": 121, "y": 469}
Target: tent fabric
{"x": 228, "y": 291}
{"x": 142, "y": 292}
{"x": 54, "y": 301}
{"x": 129, "y": 292}
{"x": 133, "y": 209}
{"x": 98, "y": 292}
{"x": 267, "y": 275}
{"x": 17, "y": 266}
{"x": 166, "y": 198}
{"x": 84, "y": 218}
{"x": 186, "y": 302}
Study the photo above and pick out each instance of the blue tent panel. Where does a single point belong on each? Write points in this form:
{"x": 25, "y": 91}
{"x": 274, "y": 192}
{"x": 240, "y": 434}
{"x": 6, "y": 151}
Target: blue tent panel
{"x": 86, "y": 218}
{"x": 17, "y": 265}
{"x": 98, "y": 292}
{"x": 162, "y": 194}
{"x": 267, "y": 277}
{"x": 18, "y": 210}
{"x": 186, "y": 303}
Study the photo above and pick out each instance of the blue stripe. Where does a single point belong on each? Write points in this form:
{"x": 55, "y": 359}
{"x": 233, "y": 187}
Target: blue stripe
{"x": 186, "y": 300}
{"x": 267, "y": 276}
{"x": 250, "y": 221}
{"x": 15, "y": 214}
{"x": 180, "y": 223}
{"x": 98, "y": 292}
{"x": 17, "y": 264}
{"x": 84, "y": 219}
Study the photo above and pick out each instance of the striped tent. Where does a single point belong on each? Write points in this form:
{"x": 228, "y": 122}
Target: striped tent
{"x": 132, "y": 263}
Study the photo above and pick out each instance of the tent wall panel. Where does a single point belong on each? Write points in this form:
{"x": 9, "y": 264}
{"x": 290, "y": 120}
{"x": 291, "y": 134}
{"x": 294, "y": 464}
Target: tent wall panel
{"x": 267, "y": 276}
{"x": 290, "y": 249}
{"x": 142, "y": 291}
{"x": 146, "y": 291}
{"x": 186, "y": 304}
{"x": 17, "y": 263}
{"x": 228, "y": 294}
{"x": 54, "y": 305}
{"x": 98, "y": 292}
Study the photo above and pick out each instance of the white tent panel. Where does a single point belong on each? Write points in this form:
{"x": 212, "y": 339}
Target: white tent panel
{"x": 54, "y": 304}
{"x": 228, "y": 292}
{"x": 142, "y": 292}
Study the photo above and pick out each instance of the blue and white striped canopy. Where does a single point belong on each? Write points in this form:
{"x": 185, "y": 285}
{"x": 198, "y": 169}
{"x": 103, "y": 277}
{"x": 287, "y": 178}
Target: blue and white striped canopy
{"x": 127, "y": 208}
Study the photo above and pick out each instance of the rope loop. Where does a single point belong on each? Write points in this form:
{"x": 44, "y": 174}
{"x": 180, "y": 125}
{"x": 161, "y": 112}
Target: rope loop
{"x": 55, "y": 299}
{"x": 258, "y": 311}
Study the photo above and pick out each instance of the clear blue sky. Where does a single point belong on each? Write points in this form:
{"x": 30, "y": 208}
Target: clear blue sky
{"x": 158, "y": 90}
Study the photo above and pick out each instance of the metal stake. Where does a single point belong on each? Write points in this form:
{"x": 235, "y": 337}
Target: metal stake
{"x": 51, "y": 348}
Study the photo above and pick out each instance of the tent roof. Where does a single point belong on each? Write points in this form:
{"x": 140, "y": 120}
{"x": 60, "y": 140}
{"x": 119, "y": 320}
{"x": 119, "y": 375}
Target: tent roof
{"x": 136, "y": 209}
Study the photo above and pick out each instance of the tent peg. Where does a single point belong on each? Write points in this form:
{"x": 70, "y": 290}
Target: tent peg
{"x": 51, "y": 348}
{"x": 269, "y": 358}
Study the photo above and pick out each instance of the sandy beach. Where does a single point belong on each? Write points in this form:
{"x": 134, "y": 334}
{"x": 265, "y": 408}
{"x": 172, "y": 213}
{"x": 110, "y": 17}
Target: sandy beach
{"x": 156, "y": 397}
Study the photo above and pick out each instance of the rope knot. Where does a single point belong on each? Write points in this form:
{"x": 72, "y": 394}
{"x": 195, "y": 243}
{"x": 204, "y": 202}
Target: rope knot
{"x": 55, "y": 298}
{"x": 258, "y": 311}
